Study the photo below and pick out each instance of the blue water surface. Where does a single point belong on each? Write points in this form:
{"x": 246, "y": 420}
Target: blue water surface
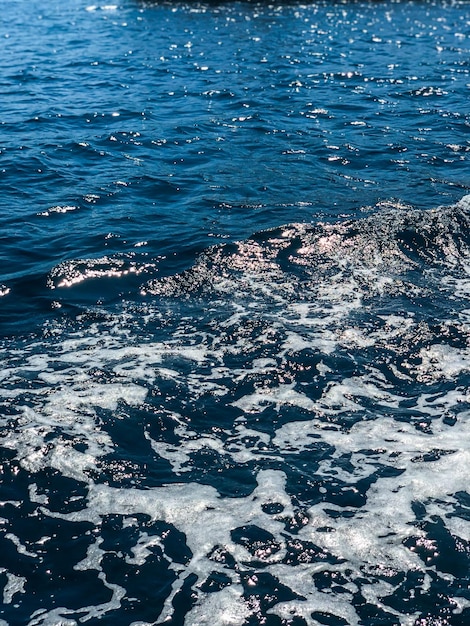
{"x": 149, "y": 123}
{"x": 234, "y": 323}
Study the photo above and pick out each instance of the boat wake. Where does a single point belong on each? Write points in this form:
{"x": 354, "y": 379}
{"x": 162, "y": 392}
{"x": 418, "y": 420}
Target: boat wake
{"x": 278, "y": 435}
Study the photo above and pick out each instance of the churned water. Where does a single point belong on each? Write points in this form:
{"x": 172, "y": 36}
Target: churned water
{"x": 234, "y": 313}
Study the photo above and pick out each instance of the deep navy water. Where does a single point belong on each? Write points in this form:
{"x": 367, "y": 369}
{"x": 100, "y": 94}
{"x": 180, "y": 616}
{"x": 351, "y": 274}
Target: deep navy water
{"x": 234, "y": 313}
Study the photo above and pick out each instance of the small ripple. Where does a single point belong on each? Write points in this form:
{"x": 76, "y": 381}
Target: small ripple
{"x": 71, "y": 273}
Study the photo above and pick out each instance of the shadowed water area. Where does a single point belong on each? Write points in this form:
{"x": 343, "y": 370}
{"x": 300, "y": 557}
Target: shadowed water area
{"x": 234, "y": 321}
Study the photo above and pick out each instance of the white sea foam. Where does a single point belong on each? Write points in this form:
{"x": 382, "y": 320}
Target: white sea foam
{"x": 344, "y": 412}
{"x": 15, "y": 584}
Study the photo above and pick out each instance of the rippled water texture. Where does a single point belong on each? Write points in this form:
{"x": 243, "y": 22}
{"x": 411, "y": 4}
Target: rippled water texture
{"x": 234, "y": 321}
{"x": 127, "y": 128}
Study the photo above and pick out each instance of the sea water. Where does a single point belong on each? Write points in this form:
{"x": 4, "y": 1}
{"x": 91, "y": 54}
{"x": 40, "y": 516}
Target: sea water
{"x": 234, "y": 313}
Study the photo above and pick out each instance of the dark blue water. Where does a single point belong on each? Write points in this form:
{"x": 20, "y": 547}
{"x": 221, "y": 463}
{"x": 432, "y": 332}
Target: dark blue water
{"x": 234, "y": 320}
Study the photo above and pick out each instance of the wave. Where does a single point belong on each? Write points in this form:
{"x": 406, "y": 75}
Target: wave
{"x": 396, "y": 238}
